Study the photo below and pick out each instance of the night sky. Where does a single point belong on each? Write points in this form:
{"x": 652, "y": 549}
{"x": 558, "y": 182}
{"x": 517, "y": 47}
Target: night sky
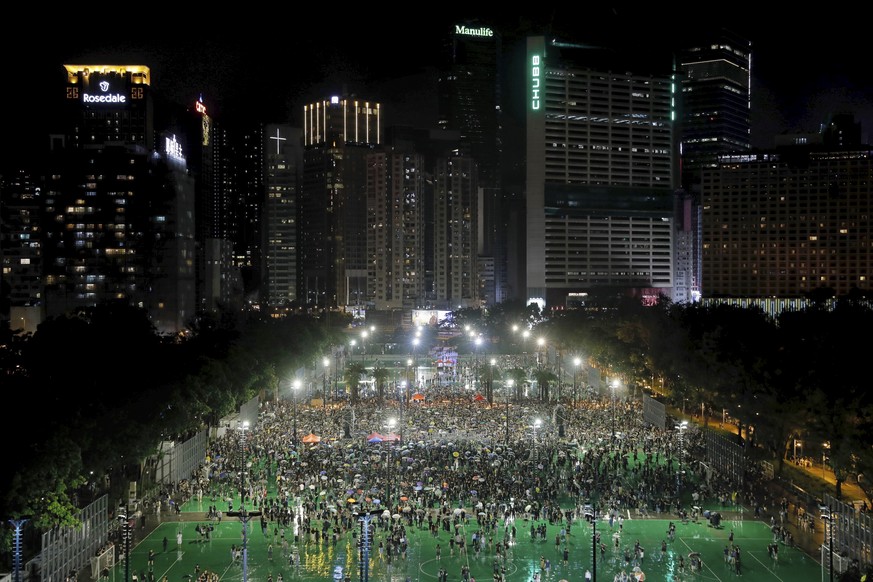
{"x": 805, "y": 67}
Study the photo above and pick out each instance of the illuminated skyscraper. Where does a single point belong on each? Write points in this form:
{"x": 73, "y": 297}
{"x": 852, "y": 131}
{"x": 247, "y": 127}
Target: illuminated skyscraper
{"x": 715, "y": 102}
{"x": 600, "y": 173}
{"x": 456, "y": 266}
{"x": 20, "y": 251}
{"x": 395, "y": 229}
{"x": 284, "y": 159}
{"x": 337, "y": 137}
{"x": 470, "y": 103}
{"x": 119, "y": 208}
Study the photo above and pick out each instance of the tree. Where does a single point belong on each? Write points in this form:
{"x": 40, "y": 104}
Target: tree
{"x": 519, "y": 377}
{"x": 353, "y": 374}
{"x": 380, "y": 375}
{"x": 543, "y": 378}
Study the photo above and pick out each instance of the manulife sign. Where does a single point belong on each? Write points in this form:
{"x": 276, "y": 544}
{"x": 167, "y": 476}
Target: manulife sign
{"x": 467, "y": 31}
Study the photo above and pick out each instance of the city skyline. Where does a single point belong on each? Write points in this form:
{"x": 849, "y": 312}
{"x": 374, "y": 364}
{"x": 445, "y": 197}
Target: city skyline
{"x": 799, "y": 78}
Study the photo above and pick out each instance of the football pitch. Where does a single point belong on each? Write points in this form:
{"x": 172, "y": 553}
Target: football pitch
{"x": 526, "y": 558}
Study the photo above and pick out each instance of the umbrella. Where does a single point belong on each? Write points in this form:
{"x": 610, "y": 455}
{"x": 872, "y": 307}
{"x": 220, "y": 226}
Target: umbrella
{"x": 396, "y": 516}
{"x": 418, "y": 396}
{"x": 404, "y": 498}
{"x": 479, "y": 398}
{"x": 386, "y": 514}
{"x": 351, "y": 500}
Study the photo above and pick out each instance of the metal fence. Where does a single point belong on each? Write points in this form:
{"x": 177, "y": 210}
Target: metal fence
{"x": 69, "y": 549}
{"x": 726, "y": 456}
{"x": 852, "y": 531}
{"x": 180, "y": 460}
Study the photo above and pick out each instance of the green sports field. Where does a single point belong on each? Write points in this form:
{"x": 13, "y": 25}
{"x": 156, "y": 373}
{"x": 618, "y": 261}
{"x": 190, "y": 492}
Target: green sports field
{"x": 322, "y": 561}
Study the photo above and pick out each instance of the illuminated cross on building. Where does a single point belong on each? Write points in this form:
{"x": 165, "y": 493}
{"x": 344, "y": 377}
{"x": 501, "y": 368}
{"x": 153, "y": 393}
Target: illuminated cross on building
{"x": 278, "y": 139}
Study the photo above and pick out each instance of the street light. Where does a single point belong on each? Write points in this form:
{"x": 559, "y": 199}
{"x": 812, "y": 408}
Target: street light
{"x": 541, "y": 342}
{"x": 392, "y": 422}
{"x": 614, "y": 386}
{"x": 577, "y": 361}
{"x": 524, "y": 336}
{"x": 244, "y": 515}
{"x": 491, "y": 381}
{"x": 537, "y": 424}
{"x": 509, "y": 384}
{"x": 682, "y": 427}
{"x": 829, "y": 519}
{"x": 296, "y": 387}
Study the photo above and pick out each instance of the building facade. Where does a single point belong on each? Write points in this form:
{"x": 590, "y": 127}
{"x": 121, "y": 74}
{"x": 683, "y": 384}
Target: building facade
{"x": 338, "y": 135}
{"x": 284, "y": 160}
{"x": 788, "y": 223}
{"x": 456, "y": 223}
{"x": 601, "y": 172}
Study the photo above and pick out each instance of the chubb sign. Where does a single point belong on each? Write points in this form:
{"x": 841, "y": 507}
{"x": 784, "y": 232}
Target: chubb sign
{"x": 106, "y": 97}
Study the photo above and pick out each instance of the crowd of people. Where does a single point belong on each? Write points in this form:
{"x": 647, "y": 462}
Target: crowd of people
{"x": 459, "y": 467}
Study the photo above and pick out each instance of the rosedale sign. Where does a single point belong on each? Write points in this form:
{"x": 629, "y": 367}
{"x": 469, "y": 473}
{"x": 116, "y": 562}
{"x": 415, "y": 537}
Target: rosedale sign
{"x": 463, "y": 30}
{"x": 107, "y": 98}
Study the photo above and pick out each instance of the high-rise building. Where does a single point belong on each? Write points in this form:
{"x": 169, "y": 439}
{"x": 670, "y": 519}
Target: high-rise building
{"x": 21, "y": 294}
{"x": 109, "y": 104}
{"x": 118, "y": 207}
{"x": 456, "y": 226}
{"x": 715, "y": 102}
{"x": 250, "y": 144}
{"x": 395, "y": 229}
{"x": 787, "y": 223}
{"x": 284, "y": 160}
{"x": 600, "y": 173}
{"x": 338, "y": 134}
{"x": 469, "y": 91}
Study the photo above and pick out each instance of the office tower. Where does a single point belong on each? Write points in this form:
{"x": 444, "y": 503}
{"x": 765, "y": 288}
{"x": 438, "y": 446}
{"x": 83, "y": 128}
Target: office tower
{"x": 687, "y": 268}
{"x": 715, "y": 102}
{"x": 469, "y": 100}
{"x": 20, "y": 251}
{"x": 337, "y": 137}
{"x": 600, "y": 173}
{"x": 395, "y": 229}
{"x": 112, "y": 218}
{"x": 108, "y": 104}
{"x": 249, "y": 142}
{"x": 787, "y": 223}
{"x": 284, "y": 161}
{"x": 455, "y": 233}
{"x": 118, "y": 207}
{"x": 171, "y": 295}
{"x": 211, "y": 161}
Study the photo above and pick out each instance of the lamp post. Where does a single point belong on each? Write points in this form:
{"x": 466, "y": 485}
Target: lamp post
{"x": 390, "y": 462}
{"x": 614, "y": 385}
{"x": 536, "y": 424}
{"x": 682, "y": 427}
{"x": 491, "y": 381}
{"x": 524, "y": 336}
{"x": 295, "y": 385}
{"x": 244, "y": 515}
{"x": 829, "y": 519}
{"x": 541, "y": 342}
{"x": 576, "y": 363}
{"x": 509, "y": 384}
{"x": 476, "y": 343}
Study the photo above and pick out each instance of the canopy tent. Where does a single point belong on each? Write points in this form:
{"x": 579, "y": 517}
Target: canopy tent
{"x": 375, "y": 437}
{"x": 418, "y": 396}
{"x": 479, "y": 398}
{"x": 312, "y": 438}
{"x": 391, "y": 437}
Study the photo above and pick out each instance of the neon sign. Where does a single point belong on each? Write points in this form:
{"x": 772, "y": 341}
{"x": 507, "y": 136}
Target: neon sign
{"x": 173, "y": 148}
{"x": 535, "y": 82}
{"x": 110, "y": 98}
{"x": 483, "y": 31}
{"x": 200, "y": 107}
